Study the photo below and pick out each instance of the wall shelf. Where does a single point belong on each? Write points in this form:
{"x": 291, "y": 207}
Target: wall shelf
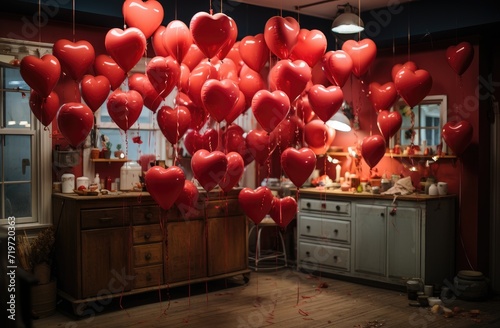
{"x": 109, "y": 160}
{"x": 397, "y": 155}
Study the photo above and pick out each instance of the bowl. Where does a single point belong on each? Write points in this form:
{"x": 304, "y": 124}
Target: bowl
{"x": 434, "y": 300}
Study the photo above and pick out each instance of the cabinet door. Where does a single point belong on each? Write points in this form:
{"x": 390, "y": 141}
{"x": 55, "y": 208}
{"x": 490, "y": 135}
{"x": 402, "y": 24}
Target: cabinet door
{"x": 370, "y": 246}
{"x": 227, "y": 245}
{"x": 403, "y": 243}
{"x": 105, "y": 261}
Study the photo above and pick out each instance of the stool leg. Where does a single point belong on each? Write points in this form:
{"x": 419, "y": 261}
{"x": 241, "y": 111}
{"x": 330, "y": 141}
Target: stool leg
{"x": 283, "y": 247}
{"x": 257, "y": 253}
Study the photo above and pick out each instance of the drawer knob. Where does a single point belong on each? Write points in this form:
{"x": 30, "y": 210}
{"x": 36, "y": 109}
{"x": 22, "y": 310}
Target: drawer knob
{"x": 308, "y": 254}
{"x": 337, "y": 208}
{"x": 336, "y": 231}
{"x": 149, "y": 216}
{"x": 308, "y": 227}
{"x": 308, "y": 205}
{"x": 147, "y": 235}
{"x": 382, "y": 214}
{"x": 148, "y": 276}
{"x": 147, "y": 257}
{"x": 106, "y": 219}
{"x": 335, "y": 258}
{"x": 323, "y": 206}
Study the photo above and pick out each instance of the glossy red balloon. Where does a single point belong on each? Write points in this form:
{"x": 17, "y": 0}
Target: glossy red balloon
{"x": 75, "y": 120}
{"x": 290, "y": 77}
{"x": 260, "y": 144}
{"x": 177, "y": 39}
{"x": 310, "y": 46}
{"x": 234, "y": 55}
{"x": 373, "y": 149}
{"x": 389, "y": 123}
{"x": 362, "y": 53}
{"x": 303, "y": 108}
{"x": 250, "y": 82}
{"x": 193, "y": 57}
{"x": 219, "y": 97}
{"x": 211, "y": 32}
{"x": 280, "y": 34}
{"x": 140, "y": 83}
{"x": 105, "y": 65}
{"x": 233, "y": 140}
{"x": 460, "y": 57}
{"x": 254, "y": 51}
{"x": 165, "y": 185}
{"x": 173, "y": 122}
{"x": 194, "y": 140}
{"x": 396, "y": 68}
{"x": 283, "y": 210}
{"x": 270, "y": 108}
{"x": 124, "y": 108}
{"x": 41, "y": 74}
{"x": 382, "y": 97}
{"x": 298, "y": 164}
{"x": 257, "y": 203}
{"x": 199, "y": 75}
{"x": 289, "y": 132}
{"x": 44, "y": 109}
{"x": 234, "y": 172}
{"x": 325, "y": 102}
{"x": 157, "y": 42}
{"x": 413, "y": 86}
{"x": 164, "y": 74}
{"x": 95, "y": 90}
{"x": 318, "y": 75}
{"x": 187, "y": 202}
{"x": 227, "y": 70}
{"x": 458, "y": 136}
{"x": 198, "y": 114}
{"x": 145, "y": 15}
{"x": 231, "y": 40}
{"x": 184, "y": 78}
{"x": 318, "y": 136}
{"x": 239, "y": 108}
{"x": 126, "y": 47}
{"x": 337, "y": 66}
{"x": 209, "y": 168}
{"x": 75, "y": 58}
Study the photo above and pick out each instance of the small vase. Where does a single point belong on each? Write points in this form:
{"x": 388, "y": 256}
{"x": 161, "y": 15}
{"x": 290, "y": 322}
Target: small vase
{"x": 41, "y": 272}
{"x": 106, "y": 154}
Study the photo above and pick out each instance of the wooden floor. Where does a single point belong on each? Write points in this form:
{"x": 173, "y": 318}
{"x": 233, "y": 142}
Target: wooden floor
{"x": 278, "y": 298}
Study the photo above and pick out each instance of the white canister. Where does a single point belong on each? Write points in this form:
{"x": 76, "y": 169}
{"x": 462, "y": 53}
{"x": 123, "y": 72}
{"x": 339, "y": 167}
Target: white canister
{"x": 442, "y": 188}
{"x": 130, "y": 174}
{"x": 82, "y": 181}
{"x": 68, "y": 183}
{"x": 433, "y": 190}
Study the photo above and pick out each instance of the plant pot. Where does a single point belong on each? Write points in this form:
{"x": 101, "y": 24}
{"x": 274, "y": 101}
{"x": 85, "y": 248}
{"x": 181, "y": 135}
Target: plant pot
{"x": 41, "y": 272}
{"x": 94, "y": 153}
{"x": 106, "y": 154}
{"x": 43, "y": 299}
{"x": 119, "y": 154}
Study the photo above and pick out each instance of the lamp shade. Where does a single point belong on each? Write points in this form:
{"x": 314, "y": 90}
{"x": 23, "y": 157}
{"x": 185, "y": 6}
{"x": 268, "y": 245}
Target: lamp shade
{"x": 347, "y": 22}
{"x": 339, "y": 122}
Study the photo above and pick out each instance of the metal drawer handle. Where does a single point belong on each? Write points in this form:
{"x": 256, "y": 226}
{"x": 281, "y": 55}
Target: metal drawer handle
{"x": 148, "y": 216}
{"x": 147, "y": 235}
{"x": 147, "y": 257}
{"x": 106, "y": 219}
{"x": 148, "y": 276}
{"x": 337, "y": 208}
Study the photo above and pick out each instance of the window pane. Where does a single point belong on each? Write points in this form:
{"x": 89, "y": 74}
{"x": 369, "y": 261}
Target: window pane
{"x": 132, "y": 149}
{"x": 17, "y": 149}
{"x": 18, "y": 200}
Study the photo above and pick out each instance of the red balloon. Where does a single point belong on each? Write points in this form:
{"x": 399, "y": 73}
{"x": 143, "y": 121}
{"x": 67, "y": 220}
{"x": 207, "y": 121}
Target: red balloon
{"x": 289, "y": 132}
{"x": 228, "y": 70}
{"x": 234, "y": 55}
{"x": 260, "y": 144}
{"x": 195, "y": 141}
{"x": 193, "y": 57}
{"x": 184, "y": 78}
{"x": 281, "y": 35}
{"x": 231, "y": 40}
{"x": 270, "y": 108}
{"x": 75, "y": 120}
{"x": 44, "y": 109}
{"x": 126, "y": 47}
{"x": 318, "y": 75}
{"x": 337, "y": 66}
{"x": 389, "y": 123}
{"x": 209, "y": 168}
{"x": 157, "y": 42}
{"x": 124, "y": 108}
{"x": 95, "y": 90}
{"x": 75, "y": 57}
{"x": 164, "y": 74}
{"x": 254, "y": 51}
{"x": 219, "y": 97}
{"x": 250, "y": 82}
{"x": 140, "y": 83}
{"x": 413, "y": 86}
{"x": 310, "y": 46}
{"x": 325, "y": 102}
{"x": 257, "y": 203}
{"x": 318, "y": 136}
{"x": 173, "y": 122}
{"x": 457, "y": 136}
{"x": 233, "y": 140}
{"x": 211, "y": 32}
{"x": 298, "y": 164}
{"x": 362, "y": 53}
{"x": 373, "y": 149}
{"x": 198, "y": 114}
{"x": 234, "y": 172}
{"x": 238, "y": 109}
{"x": 188, "y": 200}
{"x": 145, "y": 15}
{"x": 165, "y": 185}
{"x": 177, "y": 39}
{"x": 290, "y": 77}
{"x": 460, "y": 57}
{"x": 41, "y": 74}
{"x": 396, "y": 68}
{"x": 105, "y": 65}
{"x": 382, "y": 97}
{"x": 303, "y": 108}
{"x": 283, "y": 210}
{"x": 199, "y": 75}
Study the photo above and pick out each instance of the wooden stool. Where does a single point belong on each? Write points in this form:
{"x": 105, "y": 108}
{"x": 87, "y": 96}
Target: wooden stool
{"x": 270, "y": 258}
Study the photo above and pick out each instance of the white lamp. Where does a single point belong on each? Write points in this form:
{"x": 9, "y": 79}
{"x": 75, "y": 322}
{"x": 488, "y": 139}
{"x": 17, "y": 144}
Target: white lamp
{"x": 348, "y": 22}
{"x": 339, "y": 122}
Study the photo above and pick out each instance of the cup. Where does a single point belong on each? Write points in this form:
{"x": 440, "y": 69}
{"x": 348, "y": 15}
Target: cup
{"x": 429, "y": 290}
{"x": 442, "y": 188}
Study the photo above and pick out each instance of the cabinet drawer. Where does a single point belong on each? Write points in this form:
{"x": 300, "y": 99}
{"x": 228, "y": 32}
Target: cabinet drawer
{"x": 145, "y": 214}
{"x": 104, "y": 217}
{"x": 322, "y": 255}
{"x": 328, "y": 206}
{"x": 335, "y": 230}
{"x": 150, "y": 233}
{"x": 147, "y": 254}
{"x": 148, "y": 276}
{"x": 222, "y": 208}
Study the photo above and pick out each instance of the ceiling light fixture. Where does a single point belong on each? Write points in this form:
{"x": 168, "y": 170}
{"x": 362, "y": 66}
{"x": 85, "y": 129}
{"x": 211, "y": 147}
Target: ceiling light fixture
{"x": 348, "y": 22}
{"x": 339, "y": 122}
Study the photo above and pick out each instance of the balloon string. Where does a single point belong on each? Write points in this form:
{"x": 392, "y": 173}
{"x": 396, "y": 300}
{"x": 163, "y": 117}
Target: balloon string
{"x": 409, "y": 37}
{"x": 73, "y": 20}
{"x": 39, "y": 21}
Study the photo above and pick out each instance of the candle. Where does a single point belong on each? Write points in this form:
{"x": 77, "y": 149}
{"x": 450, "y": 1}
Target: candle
{"x": 337, "y": 173}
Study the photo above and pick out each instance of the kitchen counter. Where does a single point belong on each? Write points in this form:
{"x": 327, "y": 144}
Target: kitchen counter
{"x": 322, "y": 192}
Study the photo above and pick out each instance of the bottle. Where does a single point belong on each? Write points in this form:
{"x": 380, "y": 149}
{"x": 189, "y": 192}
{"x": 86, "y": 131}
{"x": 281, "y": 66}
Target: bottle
{"x": 97, "y": 181}
{"x": 108, "y": 183}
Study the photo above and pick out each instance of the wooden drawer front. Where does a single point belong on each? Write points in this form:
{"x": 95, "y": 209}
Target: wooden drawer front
{"x": 148, "y": 276}
{"x": 183, "y": 213}
{"x": 105, "y": 217}
{"x": 150, "y": 233}
{"x": 335, "y": 230}
{"x": 147, "y": 254}
{"x": 328, "y": 206}
{"x": 222, "y": 208}
{"x": 145, "y": 214}
{"x": 316, "y": 256}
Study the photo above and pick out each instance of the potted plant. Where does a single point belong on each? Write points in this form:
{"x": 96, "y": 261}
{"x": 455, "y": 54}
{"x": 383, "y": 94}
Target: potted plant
{"x": 41, "y": 253}
{"x": 118, "y": 152}
{"x": 106, "y": 146}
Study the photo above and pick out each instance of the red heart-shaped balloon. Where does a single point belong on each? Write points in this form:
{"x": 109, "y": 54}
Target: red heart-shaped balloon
{"x": 75, "y": 57}
{"x": 238, "y": 109}
{"x": 283, "y": 210}
{"x": 228, "y": 70}
{"x": 270, "y": 108}
{"x": 210, "y": 32}
{"x": 325, "y": 102}
{"x": 41, "y": 74}
{"x": 233, "y": 140}
{"x": 362, "y": 53}
{"x": 457, "y": 136}
{"x": 193, "y": 57}
{"x": 105, "y": 65}
{"x": 373, "y": 149}
{"x": 460, "y": 57}
{"x": 124, "y": 108}
{"x": 198, "y": 114}
{"x": 310, "y": 46}
{"x": 235, "y": 168}
{"x": 318, "y": 136}
{"x": 184, "y": 78}
{"x": 290, "y": 132}
{"x": 413, "y": 86}
{"x": 250, "y": 82}
{"x": 209, "y": 168}
{"x": 219, "y": 97}
{"x": 231, "y": 40}
{"x": 44, "y": 109}
{"x": 199, "y": 75}
{"x": 194, "y": 140}
{"x": 165, "y": 185}
{"x": 337, "y": 66}
{"x": 75, "y": 120}
{"x": 164, "y": 74}
{"x": 280, "y": 34}
{"x": 177, "y": 40}
{"x": 260, "y": 144}
{"x": 303, "y": 108}
{"x": 257, "y": 203}
{"x": 389, "y": 123}
{"x": 157, "y": 42}
{"x": 396, "y": 68}
{"x": 290, "y": 77}
{"x": 140, "y": 83}
{"x": 173, "y": 122}
{"x": 95, "y": 90}
{"x": 126, "y": 47}
{"x": 235, "y": 56}
{"x": 254, "y": 51}
{"x": 187, "y": 202}
{"x": 382, "y": 97}
{"x": 298, "y": 164}
{"x": 145, "y": 15}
